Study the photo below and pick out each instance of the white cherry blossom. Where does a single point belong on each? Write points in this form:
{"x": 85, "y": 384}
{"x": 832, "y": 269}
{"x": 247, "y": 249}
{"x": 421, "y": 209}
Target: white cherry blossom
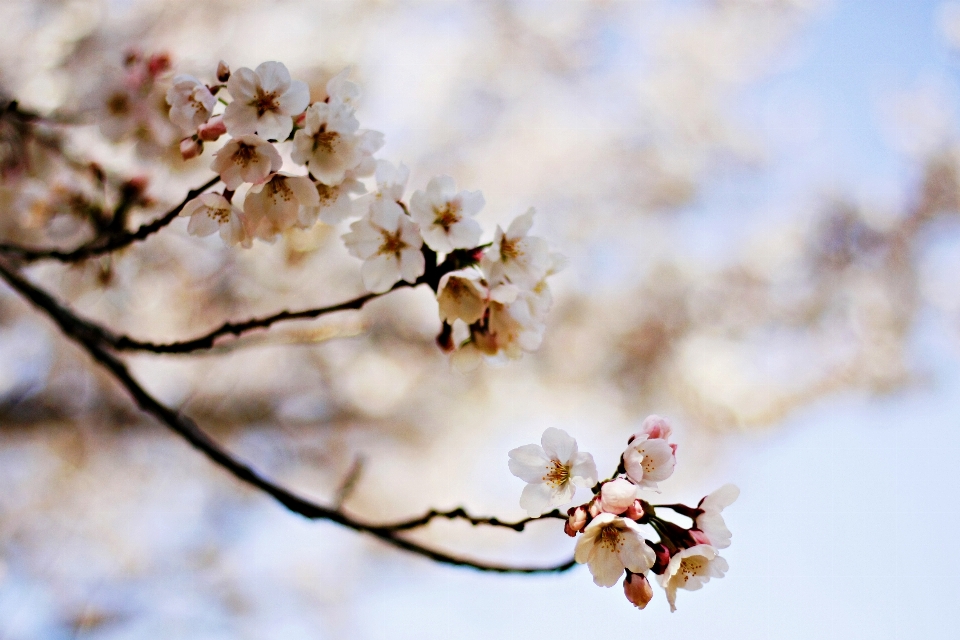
{"x": 264, "y": 101}
{"x": 445, "y": 215}
{"x": 335, "y": 203}
{"x": 330, "y": 145}
{"x": 648, "y": 461}
{"x": 611, "y": 544}
{"x": 279, "y": 204}
{"x": 514, "y": 256}
{"x": 191, "y": 103}
{"x": 462, "y": 295}
{"x": 391, "y": 183}
{"x": 690, "y": 569}
{"x": 246, "y": 159}
{"x": 553, "y": 470}
{"x": 343, "y": 91}
{"x": 710, "y": 522}
{"x": 210, "y": 213}
{"x": 389, "y": 244}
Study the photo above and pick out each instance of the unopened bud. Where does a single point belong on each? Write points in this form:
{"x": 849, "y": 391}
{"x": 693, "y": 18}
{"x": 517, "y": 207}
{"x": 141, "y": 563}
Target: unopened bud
{"x": 637, "y": 589}
{"x": 634, "y": 511}
{"x": 576, "y": 521}
{"x": 223, "y": 71}
{"x": 190, "y": 148}
{"x": 617, "y": 496}
{"x": 158, "y": 63}
{"x": 699, "y": 536}
{"x": 663, "y": 557}
{"x": 212, "y": 130}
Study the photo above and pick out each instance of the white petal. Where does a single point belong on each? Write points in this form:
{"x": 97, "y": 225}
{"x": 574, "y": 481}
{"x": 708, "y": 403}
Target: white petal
{"x": 606, "y": 568}
{"x": 273, "y": 76}
{"x": 536, "y": 499}
{"x": 380, "y": 273}
{"x": 584, "y": 470}
{"x": 558, "y": 444}
{"x": 721, "y": 498}
{"x": 529, "y": 462}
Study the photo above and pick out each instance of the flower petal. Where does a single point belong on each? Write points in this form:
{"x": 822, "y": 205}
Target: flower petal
{"x": 558, "y": 445}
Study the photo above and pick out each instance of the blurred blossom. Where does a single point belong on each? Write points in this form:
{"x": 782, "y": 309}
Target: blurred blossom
{"x": 713, "y": 276}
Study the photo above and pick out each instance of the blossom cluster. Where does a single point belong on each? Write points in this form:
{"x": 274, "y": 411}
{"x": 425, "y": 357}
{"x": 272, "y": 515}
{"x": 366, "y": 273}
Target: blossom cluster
{"x": 614, "y": 524}
{"x": 493, "y": 298}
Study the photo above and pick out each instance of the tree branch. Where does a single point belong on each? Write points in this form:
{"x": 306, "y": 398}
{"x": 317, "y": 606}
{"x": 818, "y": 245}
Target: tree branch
{"x": 104, "y": 244}
{"x": 80, "y": 332}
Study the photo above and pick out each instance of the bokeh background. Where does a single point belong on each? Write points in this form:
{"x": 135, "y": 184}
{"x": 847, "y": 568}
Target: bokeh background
{"x": 759, "y": 202}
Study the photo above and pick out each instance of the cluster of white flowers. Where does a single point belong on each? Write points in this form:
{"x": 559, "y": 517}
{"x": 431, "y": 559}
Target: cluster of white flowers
{"x": 614, "y": 523}
{"x": 493, "y": 298}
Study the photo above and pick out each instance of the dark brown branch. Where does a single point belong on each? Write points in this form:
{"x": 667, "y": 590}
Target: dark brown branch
{"x": 80, "y": 332}
{"x": 104, "y": 244}
{"x": 206, "y": 341}
{"x": 431, "y": 277}
{"x": 460, "y": 513}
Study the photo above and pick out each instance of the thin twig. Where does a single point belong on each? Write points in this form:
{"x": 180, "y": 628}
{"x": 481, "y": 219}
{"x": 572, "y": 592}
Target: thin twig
{"x": 104, "y": 244}
{"x": 80, "y": 332}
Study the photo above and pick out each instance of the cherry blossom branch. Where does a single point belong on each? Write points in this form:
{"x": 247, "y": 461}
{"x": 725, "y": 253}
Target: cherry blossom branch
{"x": 92, "y": 342}
{"x": 431, "y": 277}
{"x": 460, "y": 513}
{"x": 104, "y": 244}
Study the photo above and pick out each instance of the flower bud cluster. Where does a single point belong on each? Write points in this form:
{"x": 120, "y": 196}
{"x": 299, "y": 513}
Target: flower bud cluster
{"x": 613, "y": 526}
{"x": 493, "y": 298}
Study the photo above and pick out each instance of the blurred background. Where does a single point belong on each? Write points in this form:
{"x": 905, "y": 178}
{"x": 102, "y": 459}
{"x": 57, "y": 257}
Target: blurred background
{"x": 758, "y": 199}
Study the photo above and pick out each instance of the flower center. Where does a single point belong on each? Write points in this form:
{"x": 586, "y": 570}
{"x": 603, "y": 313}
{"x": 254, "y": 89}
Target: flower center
{"x": 509, "y": 249}
{"x": 609, "y": 538}
{"x": 244, "y": 154}
{"x": 219, "y": 214}
{"x": 118, "y": 104}
{"x": 392, "y": 244}
{"x": 327, "y": 194}
{"x": 557, "y": 474}
{"x": 280, "y": 190}
{"x": 265, "y": 102}
{"x": 325, "y": 140}
{"x": 447, "y": 216}
{"x": 689, "y": 567}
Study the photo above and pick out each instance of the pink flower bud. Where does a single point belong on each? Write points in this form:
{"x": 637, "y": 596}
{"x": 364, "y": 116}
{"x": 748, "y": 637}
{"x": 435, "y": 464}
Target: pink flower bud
{"x": 213, "y": 129}
{"x": 699, "y": 537}
{"x": 223, "y": 71}
{"x": 663, "y": 557}
{"x": 576, "y": 521}
{"x": 635, "y": 511}
{"x": 190, "y": 148}
{"x": 653, "y": 427}
{"x": 637, "y": 589}
{"x": 158, "y": 63}
{"x": 617, "y": 496}
{"x": 594, "y": 508}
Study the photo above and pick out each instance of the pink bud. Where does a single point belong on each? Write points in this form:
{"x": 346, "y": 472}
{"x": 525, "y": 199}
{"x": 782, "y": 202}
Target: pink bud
{"x": 617, "y": 496}
{"x": 223, "y": 71}
{"x": 663, "y": 557}
{"x": 190, "y": 148}
{"x": 655, "y": 427}
{"x": 212, "y": 130}
{"x": 637, "y": 589}
{"x": 635, "y": 511}
{"x": 158, "y": 63}
{"x": 576, "y": 521}
{"x": 699, "y": 536}
{"x": 301, "y": 119}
